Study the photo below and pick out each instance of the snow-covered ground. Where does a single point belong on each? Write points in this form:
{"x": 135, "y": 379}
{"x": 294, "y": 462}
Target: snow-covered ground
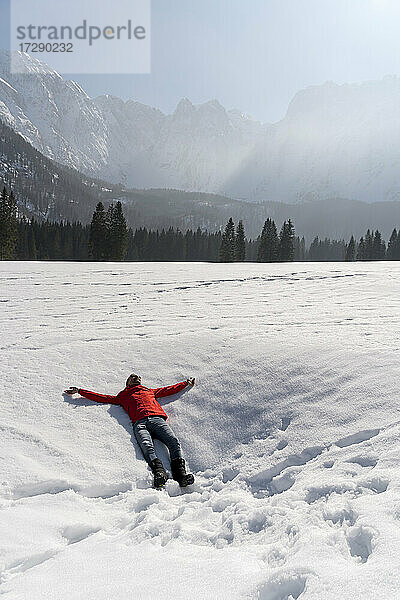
{"x": 292, "y": 431}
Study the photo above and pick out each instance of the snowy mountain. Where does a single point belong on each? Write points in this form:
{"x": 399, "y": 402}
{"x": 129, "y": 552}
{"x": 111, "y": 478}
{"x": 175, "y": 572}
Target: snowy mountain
{"x": 54, "y": 115}
{"x": 292, "y": 431}
{"x": 335, "y": 140}
{"x": 46, "y": 189}
{"x": 125, "y": 142}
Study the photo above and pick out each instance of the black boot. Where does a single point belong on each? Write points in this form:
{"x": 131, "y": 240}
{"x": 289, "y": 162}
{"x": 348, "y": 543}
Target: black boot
{"x": 160, "y": 474}
{"x": 178, "y": 471}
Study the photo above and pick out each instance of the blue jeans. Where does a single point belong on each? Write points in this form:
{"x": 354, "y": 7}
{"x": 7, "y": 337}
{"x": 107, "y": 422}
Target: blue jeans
{"x": 156, "y": 427}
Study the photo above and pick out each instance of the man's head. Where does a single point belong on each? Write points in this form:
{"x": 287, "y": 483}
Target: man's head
{"x": 133, "y": 380}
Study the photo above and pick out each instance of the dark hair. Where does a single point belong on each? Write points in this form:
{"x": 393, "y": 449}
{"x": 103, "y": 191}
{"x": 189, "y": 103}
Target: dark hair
{"x": 131, "y": 375}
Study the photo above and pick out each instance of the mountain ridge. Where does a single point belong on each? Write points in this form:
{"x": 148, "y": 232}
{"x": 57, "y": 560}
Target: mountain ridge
{"x": 336, "y": 140}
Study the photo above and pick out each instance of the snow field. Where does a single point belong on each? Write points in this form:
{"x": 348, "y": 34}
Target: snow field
{"x": 292, "y": 431}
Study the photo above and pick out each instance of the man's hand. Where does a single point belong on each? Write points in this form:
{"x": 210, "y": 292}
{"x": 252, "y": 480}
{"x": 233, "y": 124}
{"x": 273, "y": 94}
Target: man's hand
{"x": 190, "y": 381}
{"x": 71, "y": 391}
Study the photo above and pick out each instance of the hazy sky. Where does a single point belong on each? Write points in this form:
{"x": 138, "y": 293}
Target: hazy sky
{"x": 254, "y": 54}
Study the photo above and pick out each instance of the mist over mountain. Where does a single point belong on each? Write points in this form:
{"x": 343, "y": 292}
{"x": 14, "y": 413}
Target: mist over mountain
{"x": 335, "y": 140}
{"x": 46, "y": 189}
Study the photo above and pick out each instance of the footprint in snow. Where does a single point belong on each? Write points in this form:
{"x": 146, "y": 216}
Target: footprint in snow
{"x": 357, "y": 438}
{"x": 281, "y": 444}
{"x": 282, "y": 587}
{"x": 363, "y": 461}
{"x": 359, "y": 540}
{"x": 285, "y": 422}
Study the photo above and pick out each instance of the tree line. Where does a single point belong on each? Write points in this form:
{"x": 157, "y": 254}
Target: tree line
{"x": 107, "y": 238}
{"x": 286, "y": 246}
{"x": 270, "y": 247}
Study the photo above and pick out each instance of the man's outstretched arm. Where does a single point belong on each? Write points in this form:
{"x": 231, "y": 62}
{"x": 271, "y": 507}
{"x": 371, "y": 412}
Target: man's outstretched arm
{"x": 105, "y": 398}
{"x": 173, "y": 389}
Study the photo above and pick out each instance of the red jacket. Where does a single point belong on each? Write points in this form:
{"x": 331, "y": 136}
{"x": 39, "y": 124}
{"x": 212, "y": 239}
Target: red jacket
{"x": 138, "y": 401}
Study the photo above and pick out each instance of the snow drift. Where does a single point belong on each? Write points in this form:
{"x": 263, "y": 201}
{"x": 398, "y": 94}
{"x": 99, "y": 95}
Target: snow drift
{"x": 292, "y": 431}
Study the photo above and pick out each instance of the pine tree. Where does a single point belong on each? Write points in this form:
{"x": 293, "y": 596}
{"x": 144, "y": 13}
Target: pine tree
{"x": 240, "y": 243}
{"x": 262, "y": 244}
{"x": 351, "y": 250}
{"x": 8, "y": 225}
{"x": 109, "y": 252}
{"x": 227, "y": 249}
{"x": 378, "y": 247}
{"x": 268, "y": 249}
{"x": 98, "y": 241}
{"x": 361, "y": 249}
{"x": 368, "y": 246}
{"x": 393, "y": 246}
{"x": 117, "y": 232}
{"x": 286, "y": 242}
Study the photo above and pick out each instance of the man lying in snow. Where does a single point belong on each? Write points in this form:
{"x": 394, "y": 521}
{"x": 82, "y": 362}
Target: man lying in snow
{"x": 149, "y": 421}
